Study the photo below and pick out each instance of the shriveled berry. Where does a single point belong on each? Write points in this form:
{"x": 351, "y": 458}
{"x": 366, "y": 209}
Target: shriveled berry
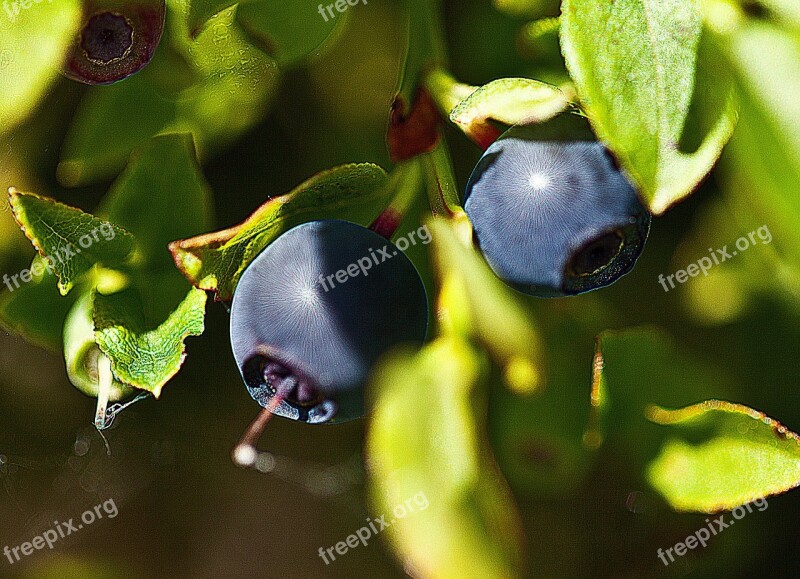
{"x": 554, "y": 218}
{"x": 117, "y": 39}
{"x": 299, "y": 332}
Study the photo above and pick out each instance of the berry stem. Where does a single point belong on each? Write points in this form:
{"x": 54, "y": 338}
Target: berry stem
{"x": 105, "y": 381}
{"x": 245, "y": 453}
{"x": 445, "y": 90}
{"x": 443, "y": 191}
{"x": 404, "y": 184}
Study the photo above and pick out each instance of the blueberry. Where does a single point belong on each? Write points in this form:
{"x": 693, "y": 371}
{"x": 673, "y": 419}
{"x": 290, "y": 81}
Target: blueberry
{"x": 117, "y": 38}
{"x": 554, "y": 218}
{"x": 310, "y": 336}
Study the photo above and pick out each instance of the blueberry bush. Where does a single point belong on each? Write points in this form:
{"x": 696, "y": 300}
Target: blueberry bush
{"x": 546, "y": 251}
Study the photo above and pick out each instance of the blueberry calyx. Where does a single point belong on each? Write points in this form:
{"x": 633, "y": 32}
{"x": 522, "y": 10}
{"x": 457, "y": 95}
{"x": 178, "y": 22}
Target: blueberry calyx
{"x": 107, "y": 37}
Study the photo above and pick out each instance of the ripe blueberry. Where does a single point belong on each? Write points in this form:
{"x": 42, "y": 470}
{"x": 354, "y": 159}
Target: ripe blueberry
{"x": 117, "y": 39}
{"x": 315, "y": 310}
{"x": 554, "y": 218}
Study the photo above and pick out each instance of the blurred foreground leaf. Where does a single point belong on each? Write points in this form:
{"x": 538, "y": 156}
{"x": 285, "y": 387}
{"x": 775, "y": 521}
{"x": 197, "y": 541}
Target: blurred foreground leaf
{"x": 498, "y": 317}
{"x": 33, "y": 42}
{"x": 729, "y": 455}
{"x": 637, "y": 89}
{"x": 215, "y": 261}
{"x": 426, "y": 440}
{"x": 70, "y": 240}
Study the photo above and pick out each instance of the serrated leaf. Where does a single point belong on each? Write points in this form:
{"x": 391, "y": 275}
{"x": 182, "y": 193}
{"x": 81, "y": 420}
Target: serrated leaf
{"x": 635, "y": 64}
{"x": 70, "y": 240}
{"x": 498, "y": 318}
{"x": 225, "y": 92}
{"x": 161, "y": 196}
{"x": 444, "y": 464}
{"x": 142, "y": 356}
{"x": 730, "y": 455}
{"x": 215, "y": 261}
{"x": 33, "y": 42}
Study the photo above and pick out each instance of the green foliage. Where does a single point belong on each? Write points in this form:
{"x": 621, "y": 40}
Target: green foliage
{"x": 142, "y": 357}
{"x": 32, "y": 45}
{"x": 215, "y": 261}
{"x": 446, "y": 458}
{"x": 215, "y": 86}
{"x": 723, "y": 455}
{"x": 637, "y": 90}
{"x": 71, "y": 241}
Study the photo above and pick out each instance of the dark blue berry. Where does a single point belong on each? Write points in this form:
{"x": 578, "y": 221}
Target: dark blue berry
{"x": 300, "y": 332}
{"x": 554, "y": 218}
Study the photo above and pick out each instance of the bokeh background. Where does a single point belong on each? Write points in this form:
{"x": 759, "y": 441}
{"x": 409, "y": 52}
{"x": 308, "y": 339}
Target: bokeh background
{"x": 186, "y": 511}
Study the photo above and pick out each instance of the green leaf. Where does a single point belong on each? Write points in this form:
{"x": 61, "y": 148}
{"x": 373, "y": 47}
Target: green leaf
{"x": 523, "y": 8}
{"x": 200, "y": 11}
{"x": 161, "y": 196}
{"x": 637, "y": 89}
{"x": 81, "y": 353}
{"x": 634, "y": 369}
{"x": 33, "y": 43}
{"x": 225, "y": 92}
{"x": 35, "y": 310}
{"x": 142, "y": 356}
{"x": 289, "y": 31}
{"x": 70, "y": 240}
{"x": 215, "y": 261}
{"x": 498, "y": 318}
{"x": 509, "y": 101}
{"x": 723, "y": 455}
{"x": 464, "y": 517}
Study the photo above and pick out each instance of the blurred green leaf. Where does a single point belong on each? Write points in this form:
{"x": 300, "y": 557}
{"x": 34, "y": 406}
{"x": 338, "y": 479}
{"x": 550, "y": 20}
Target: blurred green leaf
{"x": 70, "y": 240}
{"x": 289, "y": 31}
{"x": 524, "y": 8}
{"x": 470, "y": 524}
{"x": 637, "y": 89}
{"x": 33, "y": 42}
{"x": 161, "y": 196}
{"x": 224, "y": 92}
{"x": 500, "y": 320}
{"x": 539, "y": 439}
{"x": 730, "y": 455}
{"x": 142, "y": 356}
{"x": 36, "y": 311}
{"x": 634, "y": 369}
{"x": 215, "y": 261}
